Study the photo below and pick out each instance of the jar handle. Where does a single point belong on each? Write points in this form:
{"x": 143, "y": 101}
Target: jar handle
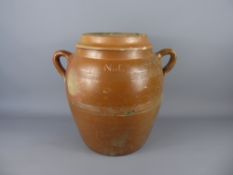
{"x": 172, "y": 60}
{"x": 57, "y": 61}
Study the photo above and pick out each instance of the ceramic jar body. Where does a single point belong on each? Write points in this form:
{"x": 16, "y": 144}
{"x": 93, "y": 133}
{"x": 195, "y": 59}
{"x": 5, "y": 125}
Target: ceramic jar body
{"x": 114, "y": 91}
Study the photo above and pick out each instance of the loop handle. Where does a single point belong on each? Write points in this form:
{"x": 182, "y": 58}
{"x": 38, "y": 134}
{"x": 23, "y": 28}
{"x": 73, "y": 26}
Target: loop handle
{"x": 57, "y": 61}
{"x": 172, "y": 60}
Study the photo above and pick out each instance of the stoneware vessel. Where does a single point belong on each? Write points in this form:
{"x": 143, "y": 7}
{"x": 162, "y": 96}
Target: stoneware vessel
{"x": 114, "y": 84}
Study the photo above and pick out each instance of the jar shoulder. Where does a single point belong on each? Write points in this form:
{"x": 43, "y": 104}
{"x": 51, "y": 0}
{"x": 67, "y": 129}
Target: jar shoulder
{"x": 114, "y": 81}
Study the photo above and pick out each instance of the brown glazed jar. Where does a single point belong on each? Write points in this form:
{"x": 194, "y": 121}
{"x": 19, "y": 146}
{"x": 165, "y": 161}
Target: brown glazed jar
{"x": 114, "y": 85}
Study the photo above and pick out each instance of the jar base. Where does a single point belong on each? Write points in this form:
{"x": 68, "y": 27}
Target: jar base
{"x": 113, "y": 153}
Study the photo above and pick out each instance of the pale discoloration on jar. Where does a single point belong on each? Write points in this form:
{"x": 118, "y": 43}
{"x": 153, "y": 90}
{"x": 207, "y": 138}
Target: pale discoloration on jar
{"x": 72, "y": 83}
{"x": 121, "y": 140}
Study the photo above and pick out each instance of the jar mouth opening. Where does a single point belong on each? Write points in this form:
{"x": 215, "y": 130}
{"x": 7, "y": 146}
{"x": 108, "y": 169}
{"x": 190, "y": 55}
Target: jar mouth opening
{"x": 115, "y": 34}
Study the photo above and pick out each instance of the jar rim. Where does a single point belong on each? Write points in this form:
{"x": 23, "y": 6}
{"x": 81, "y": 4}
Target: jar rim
{"x": 114, "y": 41}
{"x": 116, "y": 34}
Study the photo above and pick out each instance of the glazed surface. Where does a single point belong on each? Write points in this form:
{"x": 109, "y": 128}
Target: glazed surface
{"x": 114, "y": 84}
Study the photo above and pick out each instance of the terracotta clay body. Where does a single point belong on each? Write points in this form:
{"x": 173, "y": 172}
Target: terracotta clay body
{"x": 114, "y": 85}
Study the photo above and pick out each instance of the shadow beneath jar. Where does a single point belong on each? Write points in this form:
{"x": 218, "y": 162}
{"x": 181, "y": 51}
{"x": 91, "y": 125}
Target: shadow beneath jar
{"x": 167, "y": 133}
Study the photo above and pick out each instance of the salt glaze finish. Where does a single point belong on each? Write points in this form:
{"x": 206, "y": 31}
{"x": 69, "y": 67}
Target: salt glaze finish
{"x": 114, "y": 85}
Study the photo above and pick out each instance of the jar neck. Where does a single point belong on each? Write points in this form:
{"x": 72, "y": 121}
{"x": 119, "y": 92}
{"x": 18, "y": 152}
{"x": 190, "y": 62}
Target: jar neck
{"x": 114, "y": 54}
